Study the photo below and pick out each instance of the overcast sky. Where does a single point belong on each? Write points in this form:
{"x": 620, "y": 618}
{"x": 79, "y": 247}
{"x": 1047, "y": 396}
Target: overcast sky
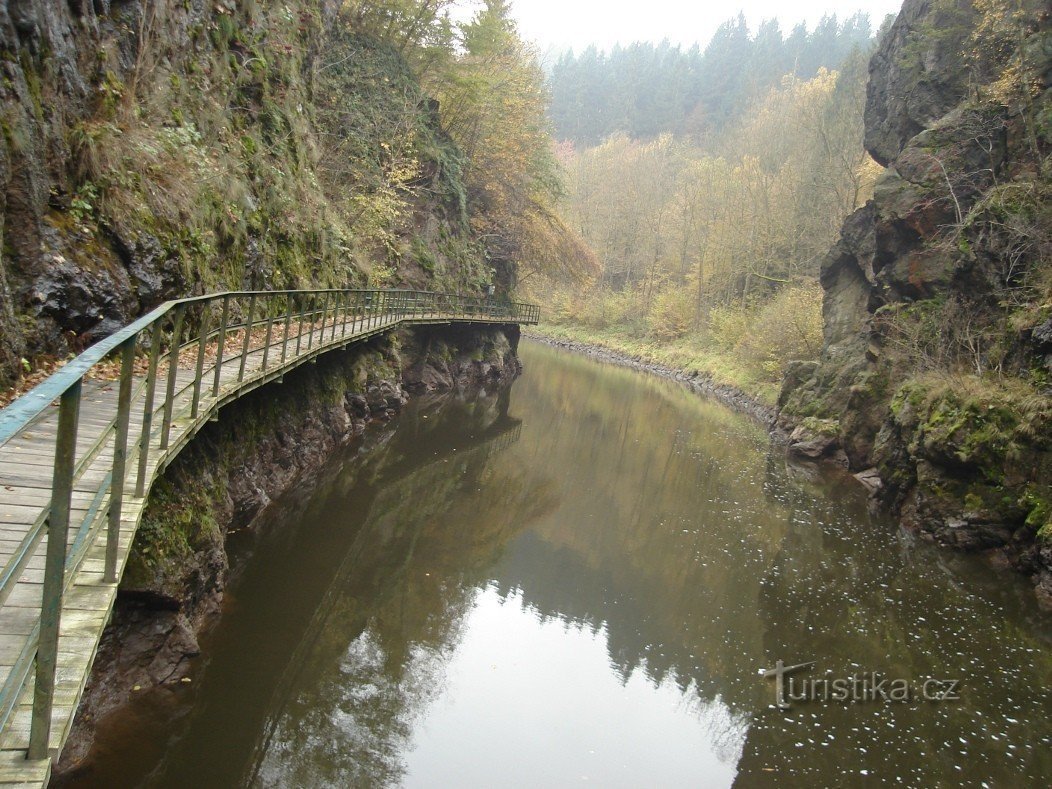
{"x": 578, "y": 23}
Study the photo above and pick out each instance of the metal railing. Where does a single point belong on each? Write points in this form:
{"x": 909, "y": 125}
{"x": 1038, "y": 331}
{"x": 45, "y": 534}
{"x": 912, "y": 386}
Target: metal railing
{"x": 200, "y": 353}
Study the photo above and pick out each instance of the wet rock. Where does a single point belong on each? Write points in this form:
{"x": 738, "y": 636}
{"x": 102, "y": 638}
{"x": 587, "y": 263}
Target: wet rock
{"x": 357, "y": 406}
{"x": 805, "y": 444}
{"x": 870, "y": 480}
{"x": 1041, "y": 335}
{"x": 429, "y": 375}
{"x": 79, "y": 290}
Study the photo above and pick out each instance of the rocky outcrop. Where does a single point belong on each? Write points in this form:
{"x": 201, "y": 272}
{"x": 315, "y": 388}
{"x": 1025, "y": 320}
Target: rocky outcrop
{"x": 269, "y": 446}
{"x": 917, "y": 75}
{"x": 934, "y": 381}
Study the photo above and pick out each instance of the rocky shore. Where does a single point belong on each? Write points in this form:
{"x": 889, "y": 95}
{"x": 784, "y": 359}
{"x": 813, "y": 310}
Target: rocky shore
{"x": 725, "y": 393}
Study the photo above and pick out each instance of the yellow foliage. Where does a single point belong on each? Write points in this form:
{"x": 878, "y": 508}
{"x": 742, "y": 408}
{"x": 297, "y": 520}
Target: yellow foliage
{"x": 671, "y": 314}
{"x": 786, "y": 328}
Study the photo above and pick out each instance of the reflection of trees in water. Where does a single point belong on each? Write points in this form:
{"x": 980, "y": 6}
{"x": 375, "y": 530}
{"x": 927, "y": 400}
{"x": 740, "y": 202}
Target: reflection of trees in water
{"x": 380, "y": 645}
{"x": 662, "y": 533}
{"x": 656, "y": 520}
{"x": 700, "y": 560}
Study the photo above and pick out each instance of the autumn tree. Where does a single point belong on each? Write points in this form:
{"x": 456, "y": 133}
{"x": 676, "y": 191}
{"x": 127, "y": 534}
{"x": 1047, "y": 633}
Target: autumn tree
{"x": 494, "y": 104}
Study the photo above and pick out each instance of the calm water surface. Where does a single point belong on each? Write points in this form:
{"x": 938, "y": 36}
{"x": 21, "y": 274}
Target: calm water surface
{"x": 576, "y": 583}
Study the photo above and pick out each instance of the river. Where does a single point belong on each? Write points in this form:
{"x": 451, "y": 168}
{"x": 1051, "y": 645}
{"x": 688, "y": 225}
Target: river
{"x": 577, "y": 582}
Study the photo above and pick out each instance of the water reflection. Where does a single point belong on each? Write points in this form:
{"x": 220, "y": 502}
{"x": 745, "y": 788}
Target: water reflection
{"x": 578, "y": 582}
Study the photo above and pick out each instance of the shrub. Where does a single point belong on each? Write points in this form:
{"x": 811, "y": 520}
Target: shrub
{"x": 672, "y": 314}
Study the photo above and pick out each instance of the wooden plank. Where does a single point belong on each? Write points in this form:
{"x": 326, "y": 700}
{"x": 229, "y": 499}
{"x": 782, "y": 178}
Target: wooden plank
{"x": 15, "y": 770}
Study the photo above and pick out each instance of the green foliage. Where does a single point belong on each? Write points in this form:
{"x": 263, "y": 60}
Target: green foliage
{"x": 971, "y": 422}
{"x": 82, "y": 204}
{"x": 177, "y": 524}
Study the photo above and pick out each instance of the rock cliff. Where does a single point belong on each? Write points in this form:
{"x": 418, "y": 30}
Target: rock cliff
{"x": 934, "y": 381}
{"x": 152, "y": 150}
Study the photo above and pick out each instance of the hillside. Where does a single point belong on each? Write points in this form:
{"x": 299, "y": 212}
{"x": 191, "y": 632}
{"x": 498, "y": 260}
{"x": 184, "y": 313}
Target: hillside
{"x": 645, "y": 89}
{"x": 155, "y": 150}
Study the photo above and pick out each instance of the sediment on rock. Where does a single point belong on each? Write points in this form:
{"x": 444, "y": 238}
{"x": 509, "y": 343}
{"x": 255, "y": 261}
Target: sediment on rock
{"x": 273, "y": 443}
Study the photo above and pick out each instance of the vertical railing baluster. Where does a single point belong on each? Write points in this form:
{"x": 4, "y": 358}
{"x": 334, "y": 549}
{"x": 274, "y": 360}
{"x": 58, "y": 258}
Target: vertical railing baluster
{"x": 224, "y": 322}
{"x": 313, "y": 312}
{"x": 288, "y": 327}
{"x": 199, "y": 370}
{"x": 268, "y": 300}
{"x": 324, "y": 317}
{"x": 120, "y": 458}
{"x": 173, "y": 374}
{"x": 147, "y": 411}
{"x": 299, "y": 332}
{"x": 335, "y": 314}
{"x": 54, "y": 573}
{"x": 248, "y": 337}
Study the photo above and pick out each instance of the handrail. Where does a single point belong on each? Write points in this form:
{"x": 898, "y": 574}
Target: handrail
{"x": 29, "y": 405}
{"x": 200, "y": 353}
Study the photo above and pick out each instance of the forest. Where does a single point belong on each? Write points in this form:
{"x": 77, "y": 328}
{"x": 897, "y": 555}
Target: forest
{"x": 709, "y": 185}
{"x": 644, "y": 89}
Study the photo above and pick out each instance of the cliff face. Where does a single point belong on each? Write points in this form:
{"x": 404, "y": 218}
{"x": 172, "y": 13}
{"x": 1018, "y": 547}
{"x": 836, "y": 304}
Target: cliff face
{"x": 152, "y": 150}
{"x": 935, "y": 374}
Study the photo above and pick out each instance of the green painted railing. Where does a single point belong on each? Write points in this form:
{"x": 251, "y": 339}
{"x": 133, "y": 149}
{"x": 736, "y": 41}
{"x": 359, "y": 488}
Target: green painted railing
{"x": 209, "y": 351}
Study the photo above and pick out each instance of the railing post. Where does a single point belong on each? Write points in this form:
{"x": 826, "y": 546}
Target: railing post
{"x": 310, "y": 329}
{"x": 199, "y": 372}
{"x": 324, "y": 314}
{"x": 120, "y": 458}
{"x": 288, "y": 326}
{"x": 54, "y": 573}
{"x": 299, "y": 330}
{"x": 248, "y": 337}
{"x": 147, "y": 411}
{"x": 221, "y": 344}
{"x": 173, "y": 372}
{"x": 267, "y": 300}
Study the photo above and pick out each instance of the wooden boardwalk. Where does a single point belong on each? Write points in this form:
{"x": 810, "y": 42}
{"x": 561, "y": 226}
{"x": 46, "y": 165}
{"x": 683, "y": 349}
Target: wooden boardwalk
{"x": 167, "y": 398}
